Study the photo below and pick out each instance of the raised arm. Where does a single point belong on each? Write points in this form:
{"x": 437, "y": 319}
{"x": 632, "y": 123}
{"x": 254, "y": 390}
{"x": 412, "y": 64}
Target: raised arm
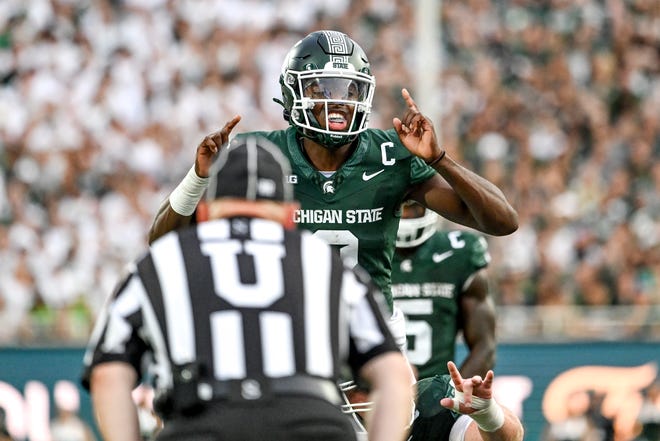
{"x": 456, "y": 193}
{"x": 177, "y": 210}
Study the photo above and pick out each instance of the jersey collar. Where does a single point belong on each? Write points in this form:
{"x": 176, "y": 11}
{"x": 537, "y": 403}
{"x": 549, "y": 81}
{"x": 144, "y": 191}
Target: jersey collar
{"x": 295, "y": 150}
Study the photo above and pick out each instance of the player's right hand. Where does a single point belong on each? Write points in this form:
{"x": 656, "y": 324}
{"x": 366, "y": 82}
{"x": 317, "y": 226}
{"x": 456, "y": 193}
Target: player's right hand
{"x": 416, "y": 131}
{"x": 208, "y": 149}
{"x": 468, "y": 390}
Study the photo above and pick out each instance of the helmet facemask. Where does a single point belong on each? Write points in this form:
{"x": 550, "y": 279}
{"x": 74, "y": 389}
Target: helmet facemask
{"x": 341, "y": 99}
{"x": 354, "y": 408}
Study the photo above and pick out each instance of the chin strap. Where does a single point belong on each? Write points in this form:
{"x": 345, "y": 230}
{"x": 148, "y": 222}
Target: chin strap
{"x": 285, "y": 113}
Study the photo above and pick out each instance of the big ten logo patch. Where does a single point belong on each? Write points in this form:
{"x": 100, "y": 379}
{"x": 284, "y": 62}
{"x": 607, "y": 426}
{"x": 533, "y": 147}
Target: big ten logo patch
{"x": 28, "y": 415}
{"x": 615, "y": 392}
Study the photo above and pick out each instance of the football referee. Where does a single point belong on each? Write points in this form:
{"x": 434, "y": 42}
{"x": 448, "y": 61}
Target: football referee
{"x": 243, "y": 324}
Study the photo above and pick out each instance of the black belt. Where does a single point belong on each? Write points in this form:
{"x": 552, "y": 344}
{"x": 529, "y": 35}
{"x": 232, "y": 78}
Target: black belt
{"x": 250, "y": 389}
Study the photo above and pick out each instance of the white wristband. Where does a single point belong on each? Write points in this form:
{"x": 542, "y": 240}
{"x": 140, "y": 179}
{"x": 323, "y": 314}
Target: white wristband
{"x": 188, "y": 193}
{"x": 491, "y": 418}
{"x": 489, "y": 415}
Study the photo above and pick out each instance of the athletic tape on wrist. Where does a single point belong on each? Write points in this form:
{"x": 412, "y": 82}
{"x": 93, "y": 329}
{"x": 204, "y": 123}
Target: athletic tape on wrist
{"x": 489, "y": 415}
{"x": 491, "y": 418}
{"x": 188, "y": 193}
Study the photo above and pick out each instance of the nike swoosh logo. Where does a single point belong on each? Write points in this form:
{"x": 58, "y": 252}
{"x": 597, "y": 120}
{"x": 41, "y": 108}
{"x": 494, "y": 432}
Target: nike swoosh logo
{"x": 366, "y": 177}
{"x": 437, "y": 258}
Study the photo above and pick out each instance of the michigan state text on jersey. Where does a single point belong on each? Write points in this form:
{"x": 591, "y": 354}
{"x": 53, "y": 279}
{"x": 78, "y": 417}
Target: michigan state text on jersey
{"x": 357, "y": 207}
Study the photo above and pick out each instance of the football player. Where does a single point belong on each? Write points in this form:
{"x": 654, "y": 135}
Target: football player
{"x": 448, "y": 408}
{"x": 351, "y": 179}
{"x": 439, "y": 281}
{"x": 453, "y": 408}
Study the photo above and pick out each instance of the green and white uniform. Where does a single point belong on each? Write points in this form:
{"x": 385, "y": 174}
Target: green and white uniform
{"x": 427, "y": 286}
{"x": 357, "y": 208}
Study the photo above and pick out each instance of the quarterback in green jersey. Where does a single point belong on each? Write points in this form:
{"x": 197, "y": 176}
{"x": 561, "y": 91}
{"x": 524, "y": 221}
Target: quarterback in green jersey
{"x": 351, "y": 179}
{"x": 355, "y": 208}
{"x": 440, "y": 284}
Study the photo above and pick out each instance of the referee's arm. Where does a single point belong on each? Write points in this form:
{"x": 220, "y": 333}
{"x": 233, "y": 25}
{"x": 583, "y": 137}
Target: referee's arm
{"x": 111, "y": 384}
{"x": 392, "y": 396}
{"x": 378, "y": 360}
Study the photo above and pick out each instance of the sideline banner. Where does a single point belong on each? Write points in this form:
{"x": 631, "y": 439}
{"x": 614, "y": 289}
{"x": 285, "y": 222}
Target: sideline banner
{"x": 538, "y": 381}
{"x": 28, "y": 377}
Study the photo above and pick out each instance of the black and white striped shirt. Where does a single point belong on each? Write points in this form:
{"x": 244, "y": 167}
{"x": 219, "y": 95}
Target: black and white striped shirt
{"x": 244, "y": 298}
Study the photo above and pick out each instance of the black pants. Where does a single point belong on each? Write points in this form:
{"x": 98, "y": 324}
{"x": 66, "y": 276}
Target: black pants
{"x": 283, "y": 418}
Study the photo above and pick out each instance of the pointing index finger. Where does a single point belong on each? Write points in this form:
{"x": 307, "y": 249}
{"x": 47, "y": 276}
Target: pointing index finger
{"x": 221, "y": 137}
{"x": 232, "y": 123}
{"x": 408, "y": 98}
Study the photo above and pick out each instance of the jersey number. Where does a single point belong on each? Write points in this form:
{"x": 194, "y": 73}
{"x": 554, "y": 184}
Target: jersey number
{"x": 344, "y": 240}
{"x": 419, "y": 332}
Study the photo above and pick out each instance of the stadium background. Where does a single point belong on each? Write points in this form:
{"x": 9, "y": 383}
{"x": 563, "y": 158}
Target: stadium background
{"x": 102, "y": 104}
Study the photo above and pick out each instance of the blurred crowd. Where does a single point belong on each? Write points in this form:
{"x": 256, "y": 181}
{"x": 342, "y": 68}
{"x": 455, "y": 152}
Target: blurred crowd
{"x": 102, "y": 104}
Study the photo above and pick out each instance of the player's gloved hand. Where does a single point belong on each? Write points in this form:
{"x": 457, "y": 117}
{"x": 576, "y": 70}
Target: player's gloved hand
{"x": 474, "y": 397}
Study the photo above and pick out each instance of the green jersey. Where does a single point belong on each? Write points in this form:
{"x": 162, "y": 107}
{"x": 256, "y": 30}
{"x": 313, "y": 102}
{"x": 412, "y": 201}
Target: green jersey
{"x": 356, "y": 208}
{"x": 426, "y": 285}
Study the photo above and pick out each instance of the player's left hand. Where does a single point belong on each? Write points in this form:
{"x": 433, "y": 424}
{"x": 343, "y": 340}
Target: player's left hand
{"x": 470, "y": 387}
{"x": 416, "y": 131}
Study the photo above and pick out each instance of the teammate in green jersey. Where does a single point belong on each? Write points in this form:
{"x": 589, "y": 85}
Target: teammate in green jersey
{"x": 450, "y": 407}
{"x": 439, "y": 281}
{"x": 453, "y": 408}
{"x": 350, "y": 179}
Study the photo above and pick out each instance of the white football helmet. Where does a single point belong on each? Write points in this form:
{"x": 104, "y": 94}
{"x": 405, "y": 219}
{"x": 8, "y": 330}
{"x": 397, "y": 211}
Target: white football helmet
{"x": 414, "y": 231}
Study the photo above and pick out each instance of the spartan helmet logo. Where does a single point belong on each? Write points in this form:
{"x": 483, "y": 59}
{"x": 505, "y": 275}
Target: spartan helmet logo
{"x": 328, "y": 187}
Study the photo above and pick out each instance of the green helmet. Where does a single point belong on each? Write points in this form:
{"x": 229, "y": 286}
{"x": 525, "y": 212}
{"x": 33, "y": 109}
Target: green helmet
{"x": 429, "y": 393}
{"x": 328, "y": 72}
